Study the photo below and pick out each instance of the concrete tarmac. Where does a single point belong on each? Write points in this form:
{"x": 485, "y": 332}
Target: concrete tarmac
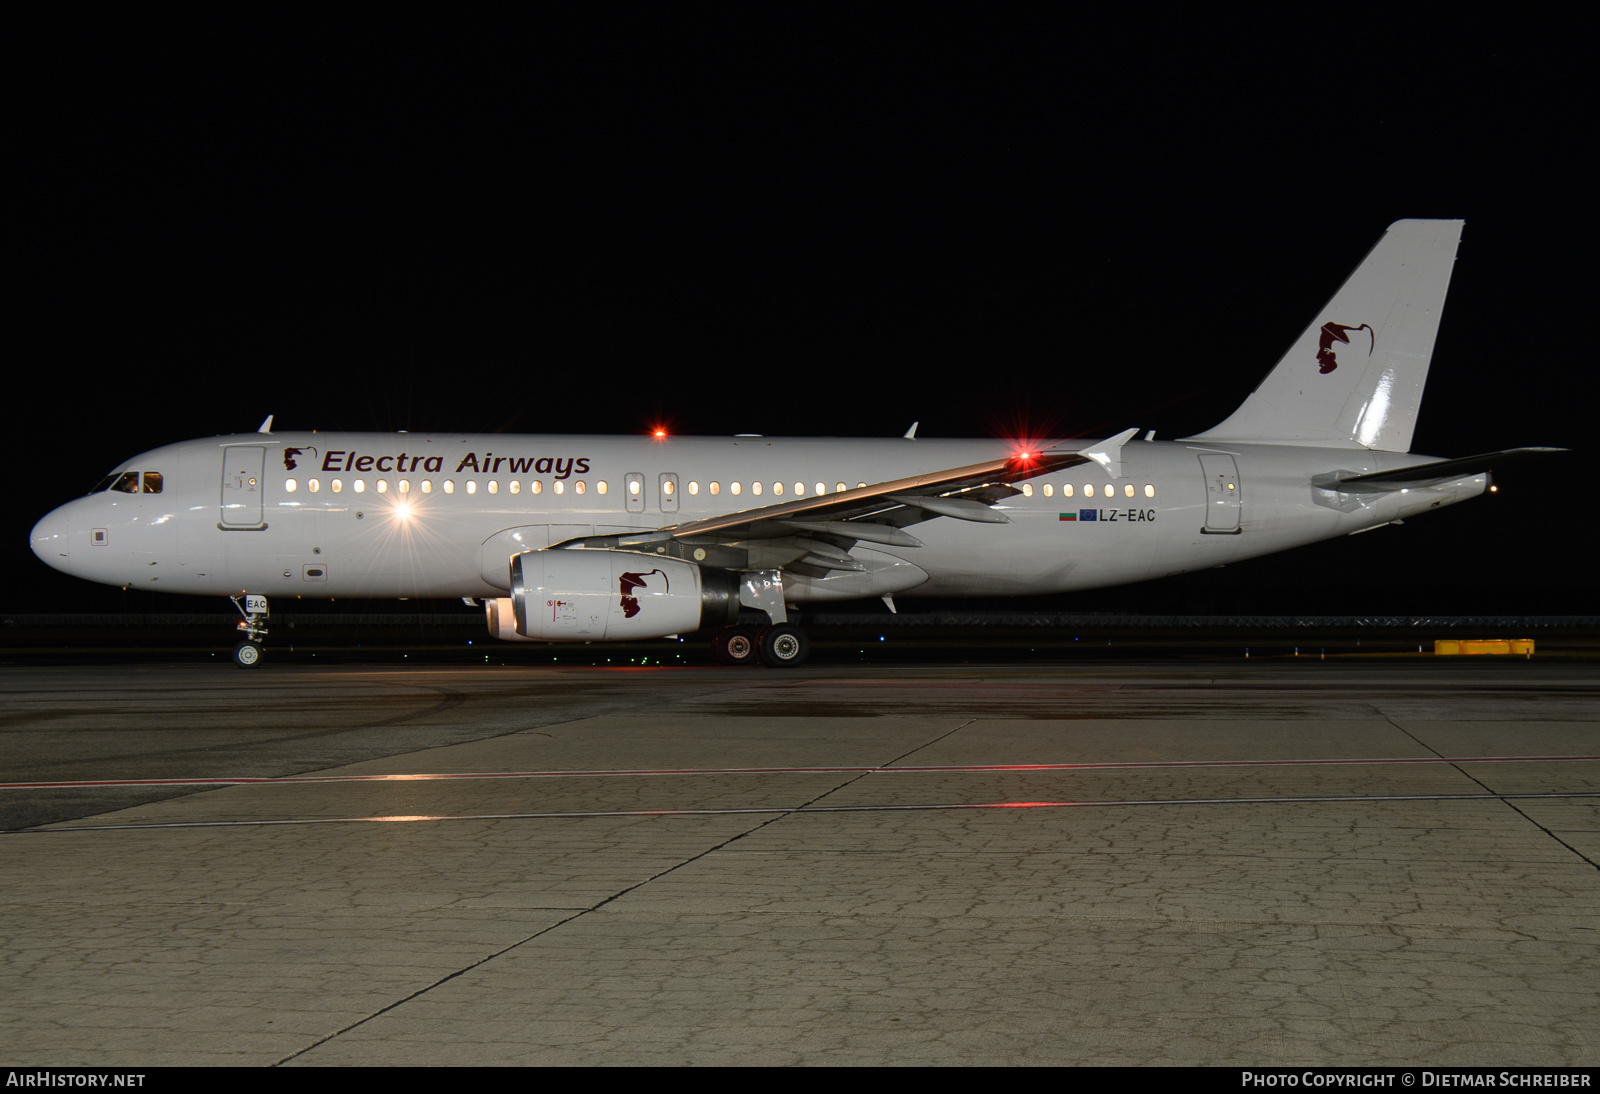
{"x": 1245, "y": 863}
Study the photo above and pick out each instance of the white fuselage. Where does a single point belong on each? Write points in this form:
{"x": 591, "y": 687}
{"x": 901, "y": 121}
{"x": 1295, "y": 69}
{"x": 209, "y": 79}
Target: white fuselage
{"x": 416, "y": 515}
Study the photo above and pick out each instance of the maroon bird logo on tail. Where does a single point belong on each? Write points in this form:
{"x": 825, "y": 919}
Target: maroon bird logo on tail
{"x": 1335, "y": 332}
{"x": 630, "y": 582}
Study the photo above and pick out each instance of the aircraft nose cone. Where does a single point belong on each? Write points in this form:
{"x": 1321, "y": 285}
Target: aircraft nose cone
{"x": 49, "y": 541}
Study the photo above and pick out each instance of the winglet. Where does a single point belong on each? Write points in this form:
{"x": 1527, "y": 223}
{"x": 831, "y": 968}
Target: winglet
{"x": 266, "y": 426}
{"x": 1108, "y": 454}
{"x": 911, "y": 434}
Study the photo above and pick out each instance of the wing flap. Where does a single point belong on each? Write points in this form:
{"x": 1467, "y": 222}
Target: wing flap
{"x": 959, "y": 508}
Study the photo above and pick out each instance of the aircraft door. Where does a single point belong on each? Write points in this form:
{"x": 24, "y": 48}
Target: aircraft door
{"x": 1223, "y": 494}
{"x": 633, "y": 491}
{"x": 667, "y": 488}
{"x": 242, "y": 487}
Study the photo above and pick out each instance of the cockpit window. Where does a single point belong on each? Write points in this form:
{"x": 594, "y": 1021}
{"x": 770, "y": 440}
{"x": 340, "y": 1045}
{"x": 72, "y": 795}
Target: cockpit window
{"x": 127, "y": 482}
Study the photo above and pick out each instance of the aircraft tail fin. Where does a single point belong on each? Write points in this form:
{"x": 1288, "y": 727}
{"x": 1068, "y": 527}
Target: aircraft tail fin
{"x": 1354, "y": 379}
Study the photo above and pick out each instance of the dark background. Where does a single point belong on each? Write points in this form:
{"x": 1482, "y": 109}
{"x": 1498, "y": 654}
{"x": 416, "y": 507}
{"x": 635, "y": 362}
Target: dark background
{"x": 802, "y": 225}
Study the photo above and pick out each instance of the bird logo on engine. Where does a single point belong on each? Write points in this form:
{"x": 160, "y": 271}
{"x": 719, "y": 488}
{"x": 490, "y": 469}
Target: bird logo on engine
{"x": 630, "y": 582}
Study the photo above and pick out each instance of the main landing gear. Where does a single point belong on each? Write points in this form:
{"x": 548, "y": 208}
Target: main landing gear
{"x": 248, "y": 653}
{"x": 780, "y": 646}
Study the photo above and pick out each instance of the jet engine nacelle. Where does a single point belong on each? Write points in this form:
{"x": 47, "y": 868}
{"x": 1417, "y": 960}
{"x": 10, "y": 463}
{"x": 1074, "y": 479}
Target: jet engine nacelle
{"x": 575, "y": 594}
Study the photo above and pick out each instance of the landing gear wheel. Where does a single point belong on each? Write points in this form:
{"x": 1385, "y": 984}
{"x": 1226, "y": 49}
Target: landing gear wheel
{"x": 736, "y": 646}
{"x": 784, "y": 646}
{"x": 247, "y": 655}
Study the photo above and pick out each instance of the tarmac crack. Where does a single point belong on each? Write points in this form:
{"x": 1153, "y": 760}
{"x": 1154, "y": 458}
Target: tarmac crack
{"x": 618, "y": 895}
{"x": 1506, "y": 799}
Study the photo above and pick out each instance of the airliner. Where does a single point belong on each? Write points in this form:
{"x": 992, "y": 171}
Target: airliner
{"x": 590, "y": 538}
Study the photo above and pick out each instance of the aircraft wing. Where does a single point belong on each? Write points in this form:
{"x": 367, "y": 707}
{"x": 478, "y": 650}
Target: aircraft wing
{"x": 964, "y": 493}
{"x": 814, "y": 535}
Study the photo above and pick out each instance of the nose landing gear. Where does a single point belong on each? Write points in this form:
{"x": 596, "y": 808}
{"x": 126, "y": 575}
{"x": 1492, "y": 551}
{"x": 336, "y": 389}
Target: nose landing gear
{"x": 248, "y": 653}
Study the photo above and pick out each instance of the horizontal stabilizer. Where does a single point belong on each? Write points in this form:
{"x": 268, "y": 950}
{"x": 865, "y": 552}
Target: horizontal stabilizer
{"x": 1422, "y": 474}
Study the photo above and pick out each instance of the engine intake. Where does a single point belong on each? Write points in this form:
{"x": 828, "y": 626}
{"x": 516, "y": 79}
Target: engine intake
{"x": 575, "y": 594}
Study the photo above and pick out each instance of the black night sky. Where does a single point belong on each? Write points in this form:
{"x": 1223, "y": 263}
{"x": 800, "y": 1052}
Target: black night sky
{"x": 802, "y": 225}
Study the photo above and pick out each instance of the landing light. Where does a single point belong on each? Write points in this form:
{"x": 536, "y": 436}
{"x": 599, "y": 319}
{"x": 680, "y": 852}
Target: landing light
{"x": 403, "y": 510}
